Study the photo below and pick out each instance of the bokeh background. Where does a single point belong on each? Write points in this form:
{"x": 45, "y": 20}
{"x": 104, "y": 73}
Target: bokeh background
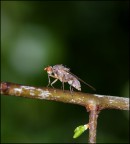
{"x": 89, "y": 37}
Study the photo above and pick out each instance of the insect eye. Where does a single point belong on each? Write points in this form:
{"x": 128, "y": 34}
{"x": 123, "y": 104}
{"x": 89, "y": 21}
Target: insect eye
{"x": 49, "y": 68}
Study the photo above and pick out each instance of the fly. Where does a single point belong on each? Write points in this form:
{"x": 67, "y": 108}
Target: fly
{"x": 59, "y": 72}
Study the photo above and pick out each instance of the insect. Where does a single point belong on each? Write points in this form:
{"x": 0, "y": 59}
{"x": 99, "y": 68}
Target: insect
{"x": 59, "y": 72}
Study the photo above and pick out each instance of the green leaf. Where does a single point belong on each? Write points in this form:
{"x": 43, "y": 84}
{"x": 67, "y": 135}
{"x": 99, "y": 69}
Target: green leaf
{"x": 78, "y": 131}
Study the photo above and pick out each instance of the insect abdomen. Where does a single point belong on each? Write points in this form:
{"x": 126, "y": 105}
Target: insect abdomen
{"x": 75, "y": 83}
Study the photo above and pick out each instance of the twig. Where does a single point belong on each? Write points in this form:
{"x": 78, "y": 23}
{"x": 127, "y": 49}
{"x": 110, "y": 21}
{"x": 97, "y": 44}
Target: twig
{"x": 84, "y": 99}
{"x": 92, "y": 122}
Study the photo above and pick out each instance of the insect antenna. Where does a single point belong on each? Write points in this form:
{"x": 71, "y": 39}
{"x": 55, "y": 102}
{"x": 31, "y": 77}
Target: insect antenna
{"x": 82, "y": 81}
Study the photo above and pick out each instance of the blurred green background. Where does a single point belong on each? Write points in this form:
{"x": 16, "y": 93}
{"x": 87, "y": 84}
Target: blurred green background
{"x": 89, "y": 37}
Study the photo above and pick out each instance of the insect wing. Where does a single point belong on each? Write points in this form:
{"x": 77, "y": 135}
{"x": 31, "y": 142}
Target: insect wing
{"x": 82, "y": 81}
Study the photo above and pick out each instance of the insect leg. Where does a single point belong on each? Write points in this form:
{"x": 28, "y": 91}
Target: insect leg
{"x": 71, "y": 89}
{"x": 49, "y": 81}
{"x": 63, "y": 80}
{"x": 63, "y": 86}
{"x": 54, "y": 82}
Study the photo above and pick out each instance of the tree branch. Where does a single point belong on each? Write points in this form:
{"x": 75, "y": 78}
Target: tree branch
{"x": 93, "y": 102}
{"x": 84, "y": 99}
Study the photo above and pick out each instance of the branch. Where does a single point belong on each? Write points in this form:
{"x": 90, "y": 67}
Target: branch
{"x": 83, "y": 99}
{"x": 93, "y": 123}
{"x": 93, "y": 102}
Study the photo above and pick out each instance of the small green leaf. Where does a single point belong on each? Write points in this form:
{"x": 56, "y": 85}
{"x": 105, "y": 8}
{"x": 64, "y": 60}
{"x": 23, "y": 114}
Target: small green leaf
{"x": 78, "y": 131}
